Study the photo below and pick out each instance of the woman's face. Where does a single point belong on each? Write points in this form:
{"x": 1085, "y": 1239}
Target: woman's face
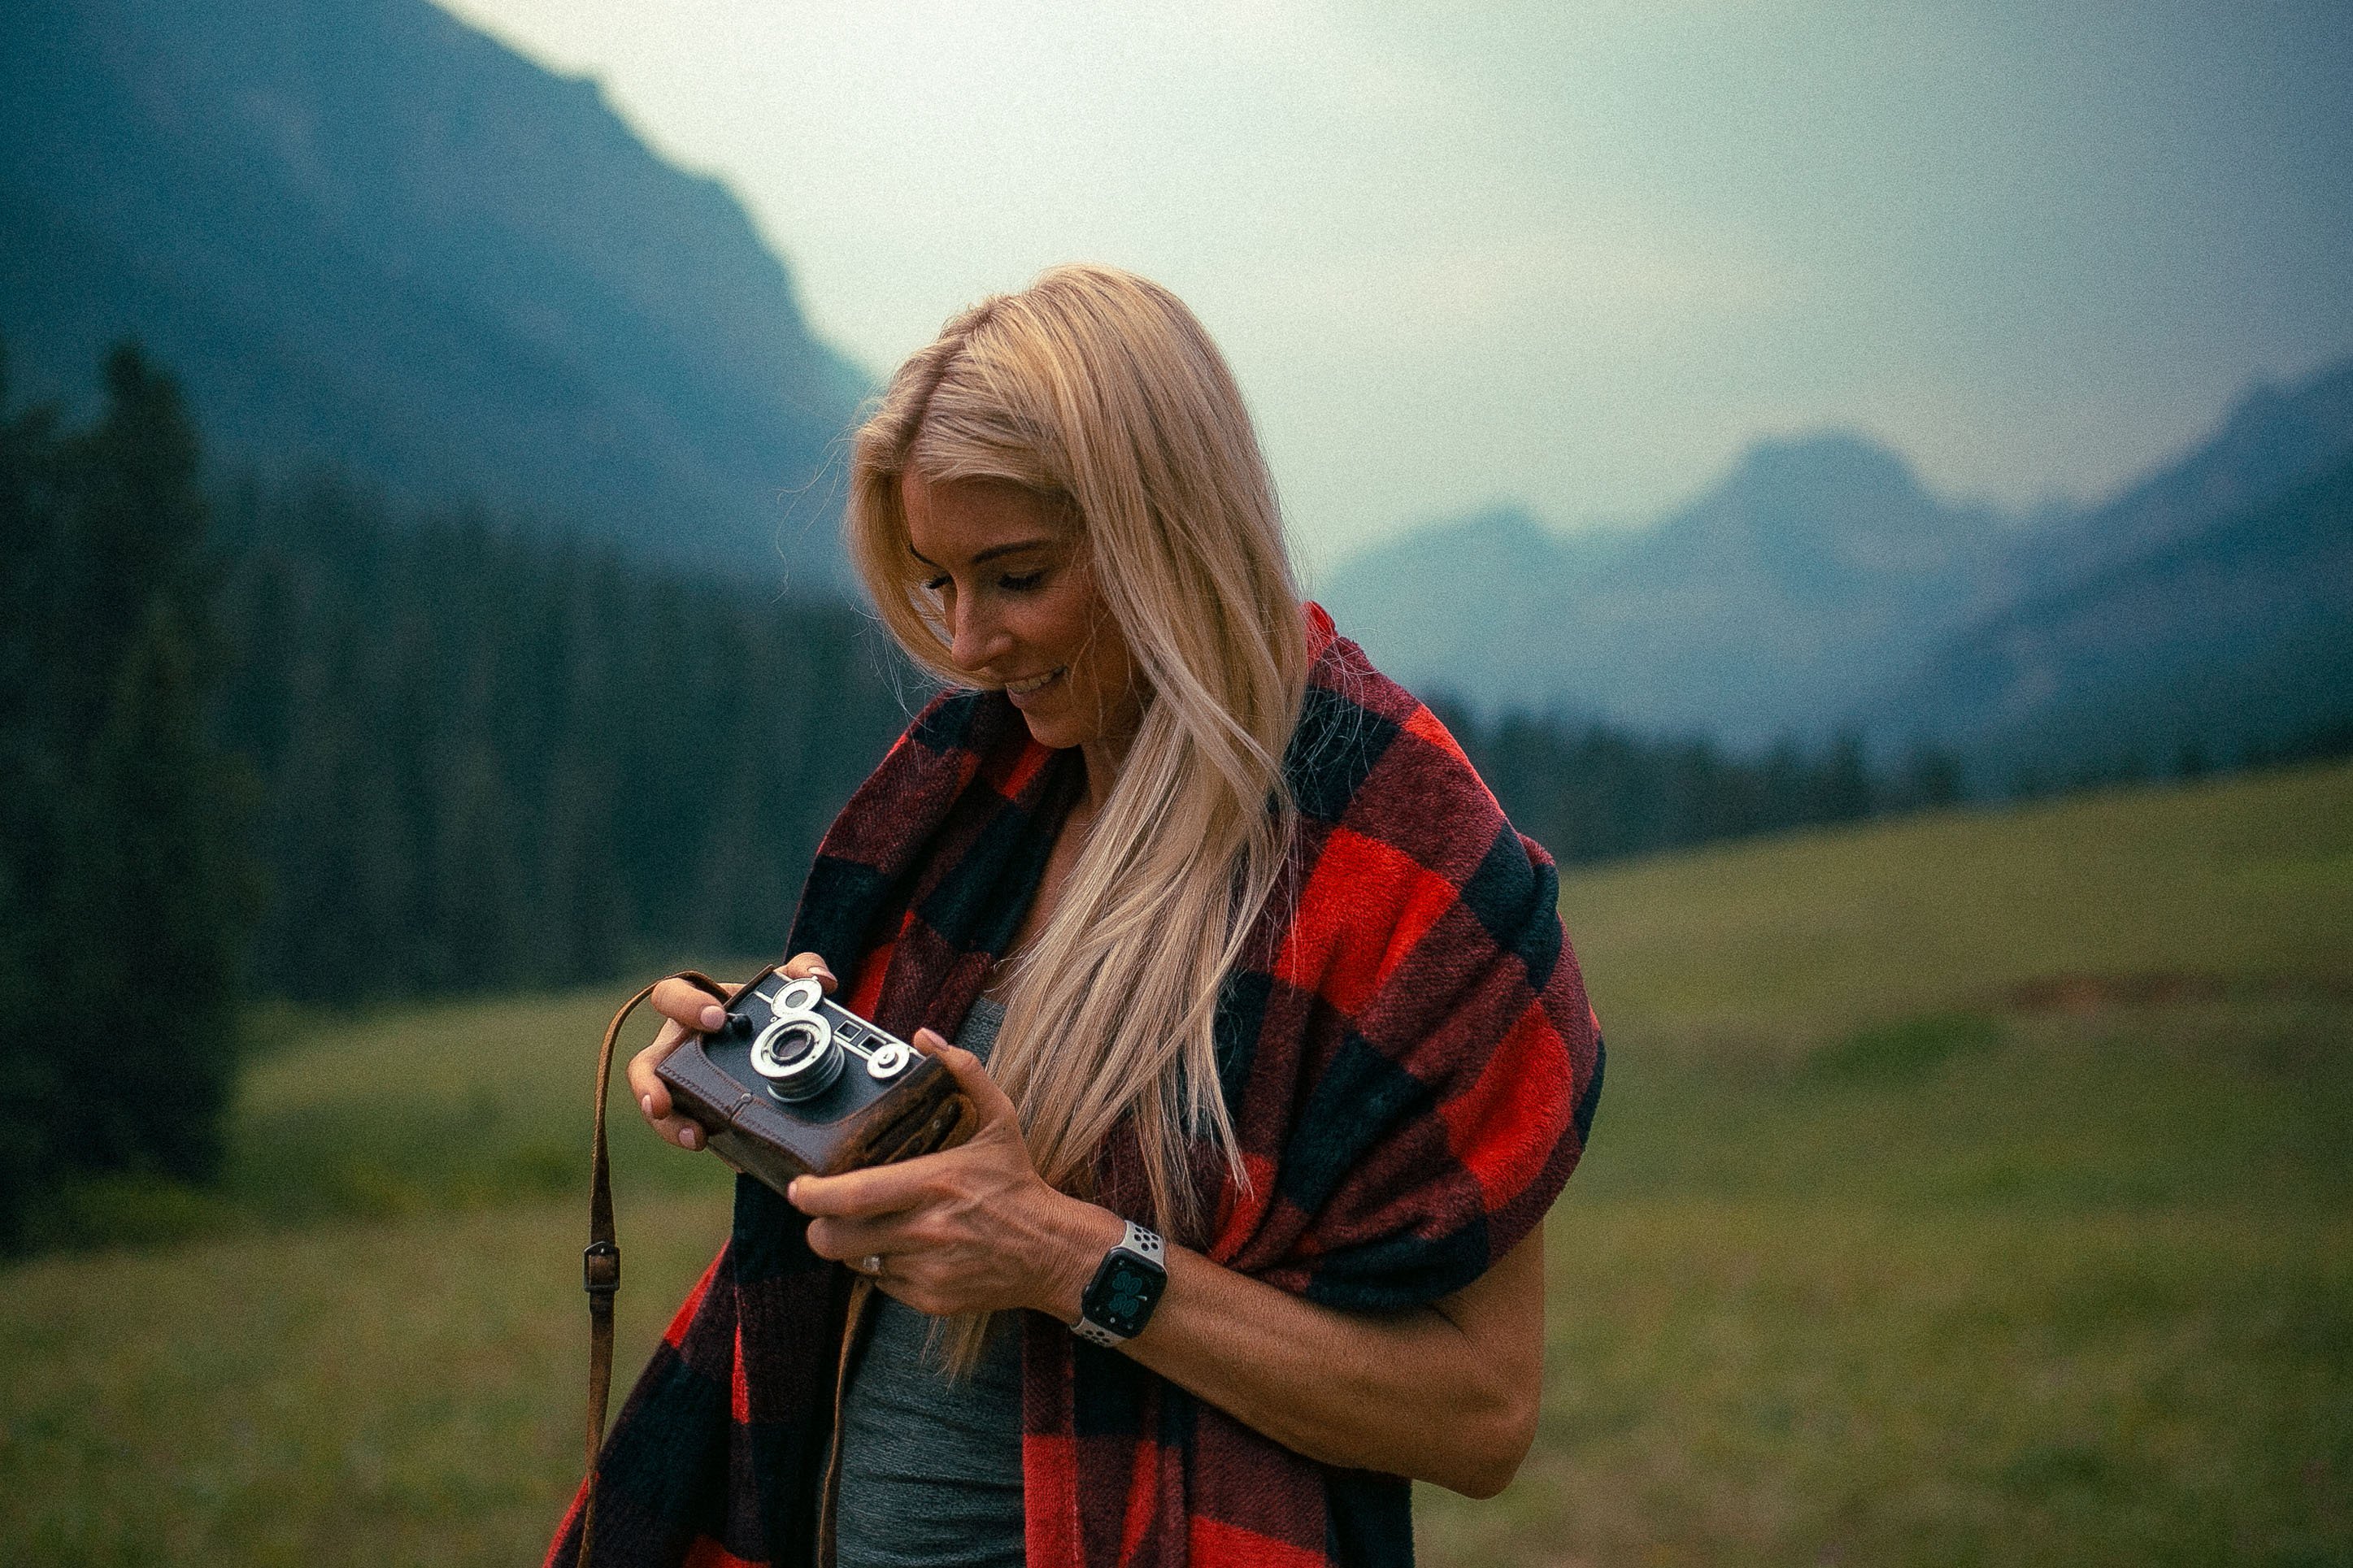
{"x": 1017, "y": 596}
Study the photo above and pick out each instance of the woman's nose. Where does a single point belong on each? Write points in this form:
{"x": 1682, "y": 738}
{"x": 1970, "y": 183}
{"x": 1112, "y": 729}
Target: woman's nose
{"x": 977, "y": 635}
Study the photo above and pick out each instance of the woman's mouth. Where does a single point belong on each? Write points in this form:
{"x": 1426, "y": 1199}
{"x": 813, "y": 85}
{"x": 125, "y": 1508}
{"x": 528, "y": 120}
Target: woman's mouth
{"x": 1017, "y": 690}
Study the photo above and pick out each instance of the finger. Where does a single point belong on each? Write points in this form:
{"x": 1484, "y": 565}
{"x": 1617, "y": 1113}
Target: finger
{"x": 988, "y": 1101}
{"x": 801, "y": 965}
{"x": 687, "y": 1005}
{"x": 651, "y": 1093}
{"x": 682, "y": 1130}
{"x": 868, "y": 1193}
{"x": 844, "y": 1240}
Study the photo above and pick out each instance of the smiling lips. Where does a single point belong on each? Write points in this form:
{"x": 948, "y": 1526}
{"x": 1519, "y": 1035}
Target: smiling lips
{"x": 1023, "y": 688}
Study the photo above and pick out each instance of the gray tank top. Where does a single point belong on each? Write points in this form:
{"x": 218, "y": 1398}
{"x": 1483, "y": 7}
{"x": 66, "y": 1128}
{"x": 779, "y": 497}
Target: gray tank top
{"x": 930, "y": 1470}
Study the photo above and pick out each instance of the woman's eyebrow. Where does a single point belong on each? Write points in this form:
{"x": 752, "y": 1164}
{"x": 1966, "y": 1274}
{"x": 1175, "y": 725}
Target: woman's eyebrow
{"x": 994, "y": 550}
{"x": 991, "y": 553}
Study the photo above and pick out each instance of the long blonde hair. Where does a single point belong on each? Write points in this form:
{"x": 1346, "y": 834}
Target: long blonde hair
{"x": 1098, "y": 388}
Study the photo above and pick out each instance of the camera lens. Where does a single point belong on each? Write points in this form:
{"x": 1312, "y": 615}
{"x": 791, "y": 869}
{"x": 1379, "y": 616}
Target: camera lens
{"x": 798, "y": 1057}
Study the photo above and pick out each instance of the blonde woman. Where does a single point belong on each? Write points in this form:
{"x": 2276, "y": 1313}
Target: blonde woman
{"x": 1278, "y": 1052}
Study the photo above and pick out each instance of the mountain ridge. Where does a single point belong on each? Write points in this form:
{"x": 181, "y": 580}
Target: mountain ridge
{"x": 2272, "y": 436}
{"x": 366, "y": 234}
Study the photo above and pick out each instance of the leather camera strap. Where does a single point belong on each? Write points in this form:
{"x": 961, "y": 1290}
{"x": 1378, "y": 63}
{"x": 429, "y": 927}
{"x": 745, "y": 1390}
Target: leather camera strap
{"x": 600, "y": 1261}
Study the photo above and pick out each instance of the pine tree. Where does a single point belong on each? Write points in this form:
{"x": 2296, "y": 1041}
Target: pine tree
{"x": 29, "y": 793}
{"x": 126, "y": 887}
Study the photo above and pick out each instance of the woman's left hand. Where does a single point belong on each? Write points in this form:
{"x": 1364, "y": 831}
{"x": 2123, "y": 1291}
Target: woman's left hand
{"x": 970, "y": 1229}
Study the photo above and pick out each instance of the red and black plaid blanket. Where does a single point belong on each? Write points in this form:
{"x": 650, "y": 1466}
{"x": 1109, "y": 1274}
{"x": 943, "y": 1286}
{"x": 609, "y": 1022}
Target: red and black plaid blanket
{"x": 1412, "y": 1068}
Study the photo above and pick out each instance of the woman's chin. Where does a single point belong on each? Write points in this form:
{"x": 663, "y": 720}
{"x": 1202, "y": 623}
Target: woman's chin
{"x": 1054, "y": 725}
{"x": 1054, "y": 732}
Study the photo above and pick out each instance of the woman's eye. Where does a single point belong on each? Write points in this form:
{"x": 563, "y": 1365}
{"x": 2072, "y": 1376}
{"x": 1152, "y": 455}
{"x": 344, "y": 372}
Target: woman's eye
{"x": 935, "y": 584}
{"x": 1023, "y": 583}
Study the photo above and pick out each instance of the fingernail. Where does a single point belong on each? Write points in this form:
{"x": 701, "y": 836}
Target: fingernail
{"x": 686, "y": 1138}
{"x": 713, "y": 1016}
{"x": 793, "y": 1191}
{"x": 646, "y": 1103}
{"x": 827, "y": 975}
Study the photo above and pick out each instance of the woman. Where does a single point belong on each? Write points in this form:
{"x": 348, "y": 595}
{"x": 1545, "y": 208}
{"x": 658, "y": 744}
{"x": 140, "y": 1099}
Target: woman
{"x": 1263, "y": 969}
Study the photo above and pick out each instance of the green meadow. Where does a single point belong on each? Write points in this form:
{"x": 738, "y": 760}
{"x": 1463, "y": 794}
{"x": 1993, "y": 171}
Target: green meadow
{"x": 1971, "y": 1188}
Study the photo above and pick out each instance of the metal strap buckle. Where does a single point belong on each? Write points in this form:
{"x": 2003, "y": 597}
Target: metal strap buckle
{"x": 600, "y": 1268}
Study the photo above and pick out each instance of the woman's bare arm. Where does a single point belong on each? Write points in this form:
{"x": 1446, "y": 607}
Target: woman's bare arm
{"x": 1445, "y": 1393}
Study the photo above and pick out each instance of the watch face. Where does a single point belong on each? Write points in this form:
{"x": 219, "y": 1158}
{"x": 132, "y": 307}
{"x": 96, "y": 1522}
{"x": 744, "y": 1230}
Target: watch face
{"x": 1124, "y": 1295}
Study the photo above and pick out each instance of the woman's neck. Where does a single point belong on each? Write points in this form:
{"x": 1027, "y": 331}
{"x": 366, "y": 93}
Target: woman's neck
{"x": 1103, "y": 760}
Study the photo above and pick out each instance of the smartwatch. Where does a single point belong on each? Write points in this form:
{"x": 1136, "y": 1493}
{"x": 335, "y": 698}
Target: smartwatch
{"x": 1119, "y": 1300}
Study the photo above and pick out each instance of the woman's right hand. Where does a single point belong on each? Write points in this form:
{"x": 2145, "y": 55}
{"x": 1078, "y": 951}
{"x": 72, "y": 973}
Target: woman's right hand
{"x": 688, "y": 1009}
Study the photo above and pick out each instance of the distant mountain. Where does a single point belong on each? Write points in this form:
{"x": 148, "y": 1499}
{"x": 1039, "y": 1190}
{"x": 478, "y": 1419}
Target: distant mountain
{"x": 1470, "y": 607}
{"x": 1819, "y": 585}
{"x": 360, "y": 230}
{"x": 1774, "y": 602}
{"x": 2225, "y": 620}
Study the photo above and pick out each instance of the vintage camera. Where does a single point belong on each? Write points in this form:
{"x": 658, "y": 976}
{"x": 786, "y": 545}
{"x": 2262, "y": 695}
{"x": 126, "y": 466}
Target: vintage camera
{"x": 792, "y": 1084}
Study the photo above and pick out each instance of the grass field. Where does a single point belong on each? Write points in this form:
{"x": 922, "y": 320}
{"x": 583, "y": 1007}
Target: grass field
{"x": 1968, "y": 1189}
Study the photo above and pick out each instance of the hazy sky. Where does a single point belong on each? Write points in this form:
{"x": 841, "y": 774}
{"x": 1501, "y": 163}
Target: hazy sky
{"x": 1573, "y": 254}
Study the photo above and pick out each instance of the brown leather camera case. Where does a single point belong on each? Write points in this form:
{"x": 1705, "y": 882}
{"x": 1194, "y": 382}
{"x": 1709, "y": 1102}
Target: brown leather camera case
{"x": 920, "y": 1111}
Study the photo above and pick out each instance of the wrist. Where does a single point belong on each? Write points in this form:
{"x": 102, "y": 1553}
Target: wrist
{"x": 1084, "y": 1232}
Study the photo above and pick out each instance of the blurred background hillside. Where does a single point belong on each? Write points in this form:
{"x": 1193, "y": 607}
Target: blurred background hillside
{"x": 1832, "y": 428}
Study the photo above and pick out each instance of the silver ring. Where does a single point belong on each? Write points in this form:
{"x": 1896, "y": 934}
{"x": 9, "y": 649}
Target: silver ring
{"x": 872, "y": 1264}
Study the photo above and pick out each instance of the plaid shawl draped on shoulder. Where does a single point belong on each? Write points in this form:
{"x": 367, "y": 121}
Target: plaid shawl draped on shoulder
{"x": 1411, "y": 1065}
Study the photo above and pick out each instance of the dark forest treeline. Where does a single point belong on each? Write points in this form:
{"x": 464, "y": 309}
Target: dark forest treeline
{"x": 1596, "y": 791}
{"x": 495, "y": 758}
{"x": 295, "y": 745}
